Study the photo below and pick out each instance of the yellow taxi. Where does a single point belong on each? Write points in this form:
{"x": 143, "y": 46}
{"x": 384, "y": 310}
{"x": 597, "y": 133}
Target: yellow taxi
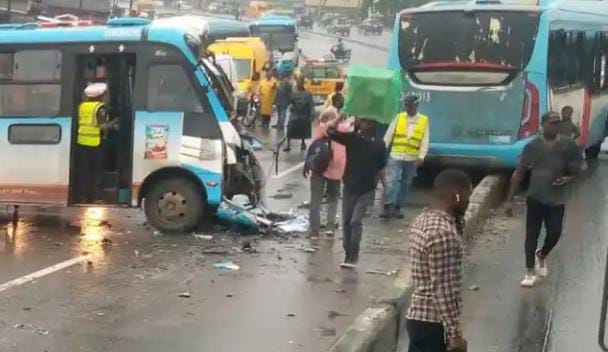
{"x": 321, "y": 77}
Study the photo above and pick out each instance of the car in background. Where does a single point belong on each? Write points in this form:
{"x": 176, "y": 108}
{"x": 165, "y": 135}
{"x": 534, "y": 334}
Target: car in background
{"x": 326, "y": 19}
{"x": 217, "y": 7}
{"x": 321, "y": 77}
{"x": 340, "y": 26}
{"x": 371, "y": 26}
{"x": 305, "y": 21}
{"x": 280, "y": 13}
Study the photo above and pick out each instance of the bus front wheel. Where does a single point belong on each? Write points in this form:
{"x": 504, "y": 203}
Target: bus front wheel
{"x": 174, "y": 205}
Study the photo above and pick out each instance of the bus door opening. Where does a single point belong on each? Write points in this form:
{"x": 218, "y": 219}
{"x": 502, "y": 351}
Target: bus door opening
{"x": 102, "y": 162}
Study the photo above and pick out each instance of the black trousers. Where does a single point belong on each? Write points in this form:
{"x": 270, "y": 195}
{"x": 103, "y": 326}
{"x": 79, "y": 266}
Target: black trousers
{"x": 89, "y": 169}
{"x": 426, "y": 337}
{"x": 537, "y": 214}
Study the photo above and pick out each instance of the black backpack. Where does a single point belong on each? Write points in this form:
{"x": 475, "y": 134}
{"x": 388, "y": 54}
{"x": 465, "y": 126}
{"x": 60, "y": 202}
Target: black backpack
{"x": 318, "y": 156}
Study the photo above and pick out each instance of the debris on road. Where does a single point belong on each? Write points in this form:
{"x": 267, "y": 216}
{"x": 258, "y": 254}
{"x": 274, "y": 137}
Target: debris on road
{"x": 279, "y": 196}
{"x": 474, "y": 288}
{"x": 326, "y": 332}
{"x": 386, "y": 273}
{"x": 226, "y": 265}
{"x": 105, "y": 223}
{"x": 298, "y": 224}
{"x": 203, "y": 237}
{"x": 308, "y": 249}
{"x": 331, "y": 315}
{"x": 185, "y": 295}
{"x": 291, "y": 315}
{"x": 106, "y": 242}
{"x": 304, "y": 205}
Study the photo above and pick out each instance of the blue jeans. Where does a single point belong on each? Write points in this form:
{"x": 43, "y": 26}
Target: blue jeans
{"x": 399, "y": 177}
{"x": 281, "y": 114}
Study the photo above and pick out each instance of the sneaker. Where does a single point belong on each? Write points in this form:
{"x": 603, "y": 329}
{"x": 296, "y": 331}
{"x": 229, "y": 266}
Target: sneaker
{"x": 386, "y": 213}
{"x": 347, "y": 265}
{"x": 529, "y": 281}
{"x": 541, "y": 266}
{"x": 398, "y": 214}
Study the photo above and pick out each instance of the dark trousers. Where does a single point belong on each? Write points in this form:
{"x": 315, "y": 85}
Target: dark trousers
{"x": 537, "y": 214}
{"x": 281, "y": 116}
{"x": 89, "y": 168}
{"x": 319, "y": 186}
{"x": 354, "y": 208}
{"x": 426, "y": 337}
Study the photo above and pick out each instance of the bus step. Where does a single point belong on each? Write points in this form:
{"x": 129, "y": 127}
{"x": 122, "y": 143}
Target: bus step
{"x": 110, "y": 180}
{"x": 110, "y": 195}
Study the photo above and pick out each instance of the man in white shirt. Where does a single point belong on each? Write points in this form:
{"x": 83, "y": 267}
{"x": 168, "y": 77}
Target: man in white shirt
{"x": 407, "y": 138}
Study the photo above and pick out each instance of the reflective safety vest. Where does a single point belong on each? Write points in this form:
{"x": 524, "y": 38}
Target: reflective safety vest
{"x": 403, "y": 144}
{"x": 89, "y": 132}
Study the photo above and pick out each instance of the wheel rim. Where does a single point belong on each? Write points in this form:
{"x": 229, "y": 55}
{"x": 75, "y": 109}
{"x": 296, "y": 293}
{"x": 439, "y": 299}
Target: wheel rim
{"x": 172, "y": 207}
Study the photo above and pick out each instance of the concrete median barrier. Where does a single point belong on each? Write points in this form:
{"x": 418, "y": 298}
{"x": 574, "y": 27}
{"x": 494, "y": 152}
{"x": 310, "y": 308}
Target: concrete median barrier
{"x": 377, "y": 329}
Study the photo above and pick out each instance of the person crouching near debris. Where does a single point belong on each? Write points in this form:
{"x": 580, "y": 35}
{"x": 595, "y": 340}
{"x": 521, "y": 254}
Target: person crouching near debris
{"x": 328, "y": 182}
{"x": 365, "y": 162}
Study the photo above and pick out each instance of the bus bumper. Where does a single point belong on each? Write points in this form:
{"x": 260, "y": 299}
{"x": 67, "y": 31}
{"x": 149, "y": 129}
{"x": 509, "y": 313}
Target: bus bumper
{"x": 485, "y": 156}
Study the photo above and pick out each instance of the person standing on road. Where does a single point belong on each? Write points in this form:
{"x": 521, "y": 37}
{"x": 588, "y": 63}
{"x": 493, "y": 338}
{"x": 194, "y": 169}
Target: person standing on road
{"x": 567, "y": 128}
{"x": 339, "y": 103}
{"x": 327, "y": 184}
{"x": 553, "y": 162}
{"x": 282, "y": 100}
{"x": 408, "y": 140}
{"x": 365, "y": 161}
{"x": 301, "y": 115}
{"x": 267, "y": 90}
{"x": 436, "y": 251}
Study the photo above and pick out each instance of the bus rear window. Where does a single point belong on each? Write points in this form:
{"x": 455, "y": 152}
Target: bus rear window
{"x": 499, "y": 40}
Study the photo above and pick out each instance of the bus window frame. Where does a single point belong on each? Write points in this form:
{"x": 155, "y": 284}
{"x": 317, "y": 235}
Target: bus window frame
{"x": 64, "y": 109}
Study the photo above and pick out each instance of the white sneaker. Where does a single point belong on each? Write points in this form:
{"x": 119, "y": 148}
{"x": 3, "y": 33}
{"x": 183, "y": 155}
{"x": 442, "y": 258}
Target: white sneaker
{"x": 541, "y": 266}
{"x": 346, "y": 265}
{"x": 528, "y": 281}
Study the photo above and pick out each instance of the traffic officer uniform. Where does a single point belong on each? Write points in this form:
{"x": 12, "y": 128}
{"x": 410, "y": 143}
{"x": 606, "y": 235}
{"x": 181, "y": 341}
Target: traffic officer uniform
{"x": 92, "y": 115}
{"x": 408, "y": 140}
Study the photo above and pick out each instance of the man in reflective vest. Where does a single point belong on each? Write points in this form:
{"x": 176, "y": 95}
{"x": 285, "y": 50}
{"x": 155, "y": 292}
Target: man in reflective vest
{"x": 407, "y": 138}
{"x": 92, "y": 119}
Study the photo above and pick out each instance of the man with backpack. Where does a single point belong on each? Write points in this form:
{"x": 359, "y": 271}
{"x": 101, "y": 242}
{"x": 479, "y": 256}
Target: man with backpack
{"x": 325, "y": 163}
{"x": 365, "y": 162}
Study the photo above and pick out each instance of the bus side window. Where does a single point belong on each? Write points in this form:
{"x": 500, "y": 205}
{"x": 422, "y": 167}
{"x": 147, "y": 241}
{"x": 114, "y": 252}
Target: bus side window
{"x": 30, "y": 83}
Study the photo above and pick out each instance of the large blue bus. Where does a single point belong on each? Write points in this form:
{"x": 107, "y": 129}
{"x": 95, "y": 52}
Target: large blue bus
{"x": 173, "y": 150}
{"x": 280, "y": 34}
{"x": 488, "y": 72}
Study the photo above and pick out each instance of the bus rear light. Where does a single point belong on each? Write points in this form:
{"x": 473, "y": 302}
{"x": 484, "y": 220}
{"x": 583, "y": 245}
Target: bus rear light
{"x": 530, "y": 113}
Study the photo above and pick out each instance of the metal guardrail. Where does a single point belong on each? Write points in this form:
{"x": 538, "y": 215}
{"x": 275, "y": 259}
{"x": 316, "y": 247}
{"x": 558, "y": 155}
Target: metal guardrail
{"x": 604, "y": 310}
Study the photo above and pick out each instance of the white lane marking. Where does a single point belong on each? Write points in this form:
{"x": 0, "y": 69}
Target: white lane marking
{"x": 289, "y": 171}
{"x": 40, "y": 273}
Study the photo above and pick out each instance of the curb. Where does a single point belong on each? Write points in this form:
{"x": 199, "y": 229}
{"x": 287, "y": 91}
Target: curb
{"x": 377, "y": 329}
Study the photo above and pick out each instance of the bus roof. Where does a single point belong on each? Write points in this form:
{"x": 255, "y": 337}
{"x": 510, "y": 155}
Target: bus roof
{"x": 274, "y": 21}
{"x": 227, "y": 25}
{"x": 122, "y": 30}
{"x": 585, "y": 6}
{"x": 198, "y": 24}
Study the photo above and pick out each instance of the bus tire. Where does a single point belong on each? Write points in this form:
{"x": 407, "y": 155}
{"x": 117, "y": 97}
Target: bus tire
{"x": 175, "y": 205}
{"x": 594, "y": 151}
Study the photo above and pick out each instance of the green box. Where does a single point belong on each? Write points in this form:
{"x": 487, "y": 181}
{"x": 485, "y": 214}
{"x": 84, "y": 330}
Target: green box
{"x": 373, "y": 93}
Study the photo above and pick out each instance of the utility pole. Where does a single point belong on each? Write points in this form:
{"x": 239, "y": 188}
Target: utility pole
{"x": 9, "y": 10}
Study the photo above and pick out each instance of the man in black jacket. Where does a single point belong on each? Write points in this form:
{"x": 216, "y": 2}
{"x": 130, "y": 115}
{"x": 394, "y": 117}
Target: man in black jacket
{"x": 365, "y": 161}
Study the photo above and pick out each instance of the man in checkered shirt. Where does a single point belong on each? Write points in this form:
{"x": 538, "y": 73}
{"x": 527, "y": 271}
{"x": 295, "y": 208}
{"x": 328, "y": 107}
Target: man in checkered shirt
{"x": 436, "y": 250}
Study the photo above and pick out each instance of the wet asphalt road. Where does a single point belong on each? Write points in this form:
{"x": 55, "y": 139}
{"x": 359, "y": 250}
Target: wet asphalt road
{"x": 561, "y": 314}
{"x": 99, "y": 279}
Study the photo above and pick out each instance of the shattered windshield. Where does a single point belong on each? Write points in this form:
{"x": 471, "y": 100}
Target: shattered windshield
{"x": 502, "y": 39}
